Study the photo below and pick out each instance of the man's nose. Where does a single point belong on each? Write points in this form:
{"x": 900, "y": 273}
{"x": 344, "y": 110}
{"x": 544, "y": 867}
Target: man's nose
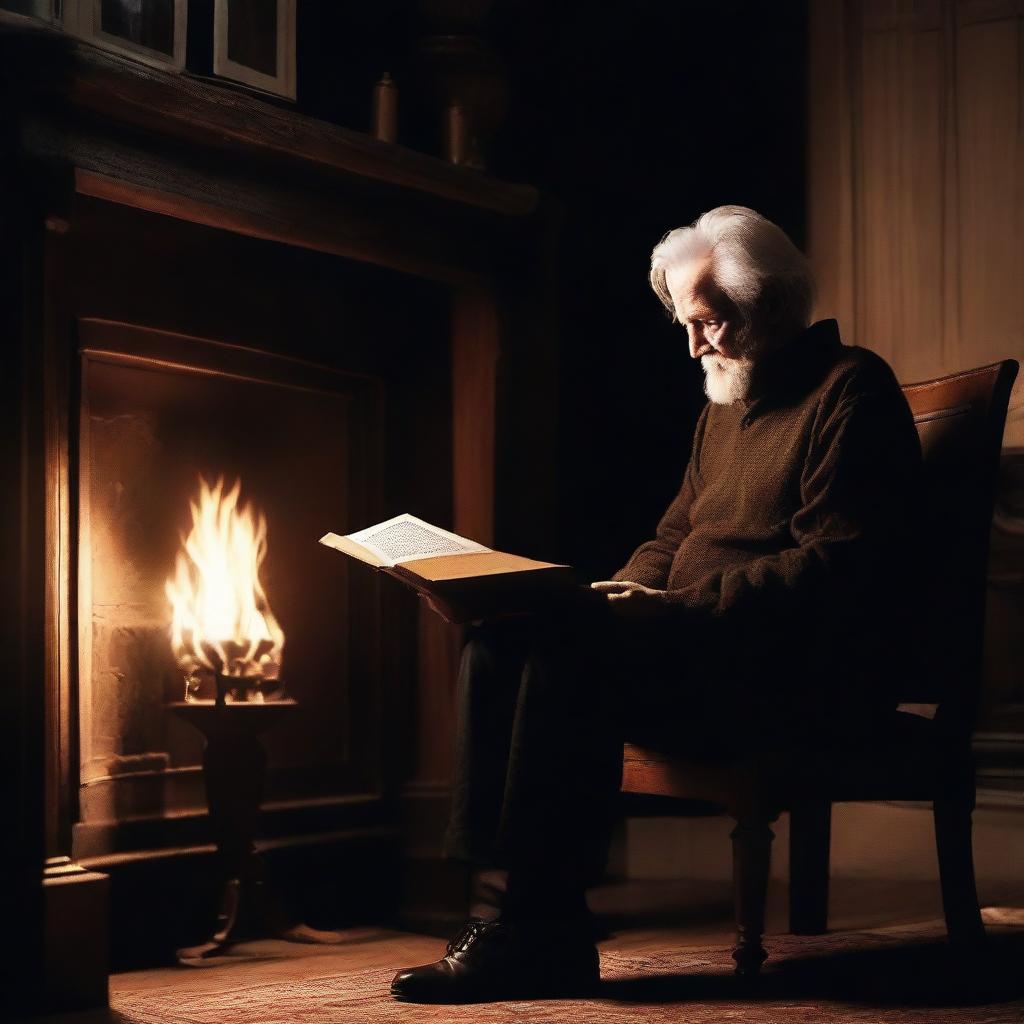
{"x": 699, "y": 345}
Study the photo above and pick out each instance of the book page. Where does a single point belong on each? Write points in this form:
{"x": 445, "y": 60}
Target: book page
{"x": 406, "y": 538}
{"x": 349, "y": 547}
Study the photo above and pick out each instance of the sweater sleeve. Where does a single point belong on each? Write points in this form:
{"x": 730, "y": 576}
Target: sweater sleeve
{"x": 858, "y": 486}
{"x": 651, "y": 563}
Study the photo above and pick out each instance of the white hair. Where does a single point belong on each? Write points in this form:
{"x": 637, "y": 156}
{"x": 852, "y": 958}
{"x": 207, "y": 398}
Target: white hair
{"x": 753, "y": 261}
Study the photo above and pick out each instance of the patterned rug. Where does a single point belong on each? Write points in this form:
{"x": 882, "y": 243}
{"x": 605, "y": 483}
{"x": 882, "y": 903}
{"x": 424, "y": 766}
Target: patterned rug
{"x": 851, "y": 977}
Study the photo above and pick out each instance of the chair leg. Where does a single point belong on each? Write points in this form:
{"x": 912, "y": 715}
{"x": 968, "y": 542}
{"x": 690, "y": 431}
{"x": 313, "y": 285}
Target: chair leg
{"x": 810, "y": 830}
{"x": 751, "y": 856}
{"x": 956, "y": 867}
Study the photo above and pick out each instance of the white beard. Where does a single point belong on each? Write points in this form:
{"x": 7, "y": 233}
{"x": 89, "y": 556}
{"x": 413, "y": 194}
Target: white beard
{"x": 726, "y": 381}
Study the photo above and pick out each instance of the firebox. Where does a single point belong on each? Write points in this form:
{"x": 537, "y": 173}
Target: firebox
{"x": 166, "y": 419}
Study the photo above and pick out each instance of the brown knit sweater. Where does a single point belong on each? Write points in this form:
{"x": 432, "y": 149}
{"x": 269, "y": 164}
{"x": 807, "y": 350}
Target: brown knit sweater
{"x": 796, "y": 507}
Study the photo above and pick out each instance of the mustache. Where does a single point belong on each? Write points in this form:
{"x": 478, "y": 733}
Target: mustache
{"x": 724, "y": 363}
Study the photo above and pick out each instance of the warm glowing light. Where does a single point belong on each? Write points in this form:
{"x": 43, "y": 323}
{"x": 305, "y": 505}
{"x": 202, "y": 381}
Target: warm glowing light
{"x": 222, "y": 622}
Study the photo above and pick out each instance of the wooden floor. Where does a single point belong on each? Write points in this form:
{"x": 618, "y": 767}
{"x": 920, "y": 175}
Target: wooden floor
{"x": 641, "y": 917}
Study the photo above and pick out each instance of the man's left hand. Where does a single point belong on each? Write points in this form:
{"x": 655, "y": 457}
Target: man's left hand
{"x": 633, "y": 600}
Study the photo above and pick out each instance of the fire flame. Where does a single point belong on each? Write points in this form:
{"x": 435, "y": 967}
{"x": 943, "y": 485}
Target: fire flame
{"x": 222, "y": 622}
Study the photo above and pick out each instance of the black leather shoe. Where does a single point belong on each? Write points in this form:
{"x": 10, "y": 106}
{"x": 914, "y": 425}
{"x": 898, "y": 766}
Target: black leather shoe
{"x": 495, "y": 960}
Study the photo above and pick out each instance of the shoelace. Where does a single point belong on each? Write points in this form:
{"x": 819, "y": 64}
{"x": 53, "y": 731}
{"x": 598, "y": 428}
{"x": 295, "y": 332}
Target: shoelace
{"x": 469, "y": 934}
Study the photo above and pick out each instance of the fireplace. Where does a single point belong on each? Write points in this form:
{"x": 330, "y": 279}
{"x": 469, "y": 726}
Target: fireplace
{"x": 160, "y": 412}
{"x": 293, "y": 374}
{"x": 199, "y": 284}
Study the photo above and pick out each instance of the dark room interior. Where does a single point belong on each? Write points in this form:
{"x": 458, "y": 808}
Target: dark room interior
{"x": 277, "y": 269}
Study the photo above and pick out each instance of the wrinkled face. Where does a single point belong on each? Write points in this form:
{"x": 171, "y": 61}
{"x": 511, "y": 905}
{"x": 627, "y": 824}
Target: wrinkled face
{"x": 712, "y": 324}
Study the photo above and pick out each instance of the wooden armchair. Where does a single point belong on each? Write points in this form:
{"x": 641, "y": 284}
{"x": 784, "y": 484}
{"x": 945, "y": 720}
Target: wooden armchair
{"x": 960, "y": 420}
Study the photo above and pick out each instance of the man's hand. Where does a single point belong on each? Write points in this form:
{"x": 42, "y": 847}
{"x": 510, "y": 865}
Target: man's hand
{"x": 633, "y": 600}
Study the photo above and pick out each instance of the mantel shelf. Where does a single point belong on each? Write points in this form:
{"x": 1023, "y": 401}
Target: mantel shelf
{"x": 42, "y": 62}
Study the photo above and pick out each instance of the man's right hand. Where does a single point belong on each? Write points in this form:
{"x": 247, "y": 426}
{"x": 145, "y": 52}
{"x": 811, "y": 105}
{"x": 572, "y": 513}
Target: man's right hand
{"x": 633, "y": 600}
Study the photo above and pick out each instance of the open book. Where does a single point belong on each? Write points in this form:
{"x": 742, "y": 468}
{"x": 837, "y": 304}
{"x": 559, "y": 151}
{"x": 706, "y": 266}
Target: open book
{"x": 463, "y": 579}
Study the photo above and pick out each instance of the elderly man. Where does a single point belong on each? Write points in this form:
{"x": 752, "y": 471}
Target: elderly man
{"x": 749, "y": 622}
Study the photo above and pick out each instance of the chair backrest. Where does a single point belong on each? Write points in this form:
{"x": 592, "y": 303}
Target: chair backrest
{"x": 960, "y": 420}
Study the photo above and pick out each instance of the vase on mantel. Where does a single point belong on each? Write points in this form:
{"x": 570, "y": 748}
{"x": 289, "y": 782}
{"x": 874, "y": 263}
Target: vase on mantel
{"x": 464, "y": 78}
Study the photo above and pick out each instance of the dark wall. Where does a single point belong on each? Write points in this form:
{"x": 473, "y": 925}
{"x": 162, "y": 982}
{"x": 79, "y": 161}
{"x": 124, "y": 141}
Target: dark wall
{"x": 633, "y": 118}
{"x": 636, "y": 118}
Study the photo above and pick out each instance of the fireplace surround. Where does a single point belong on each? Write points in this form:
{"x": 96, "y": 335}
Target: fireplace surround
{"x": 197, "y": 281}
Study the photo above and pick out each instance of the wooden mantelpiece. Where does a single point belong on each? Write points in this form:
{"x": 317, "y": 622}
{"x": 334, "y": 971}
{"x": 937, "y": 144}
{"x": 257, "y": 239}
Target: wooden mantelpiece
{"x": 193, "y": 111}
{"x": 180, "y": 146}
{"x": 94, "y": 148}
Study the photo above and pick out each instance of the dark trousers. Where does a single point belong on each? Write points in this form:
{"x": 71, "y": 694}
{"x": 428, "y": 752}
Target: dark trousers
{"x": 544, "y": 708}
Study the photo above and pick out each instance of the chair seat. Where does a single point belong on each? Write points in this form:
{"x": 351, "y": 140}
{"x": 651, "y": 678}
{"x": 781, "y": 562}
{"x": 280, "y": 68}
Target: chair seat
{"x": 906, "y": 758}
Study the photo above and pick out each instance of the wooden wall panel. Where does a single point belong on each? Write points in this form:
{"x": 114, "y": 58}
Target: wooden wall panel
{"x": 830, "y": 200}
{"x": 901, "y": 220}
{"x": 990, "y": 193}
{"x": 916, "y": 170}
{"x": 916, "y": 234}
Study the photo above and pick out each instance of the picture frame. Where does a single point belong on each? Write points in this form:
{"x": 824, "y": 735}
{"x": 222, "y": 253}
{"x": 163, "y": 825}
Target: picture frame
{"x": 150, "y": 31}
{"x": 244, "y": 34}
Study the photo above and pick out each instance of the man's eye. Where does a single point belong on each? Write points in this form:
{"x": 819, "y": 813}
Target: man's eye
{"x": 714, "y": 324}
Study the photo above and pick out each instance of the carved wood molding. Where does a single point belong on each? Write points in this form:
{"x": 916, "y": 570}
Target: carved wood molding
{"x": 102, "y": 844}
{"x": 323, "y": 226}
